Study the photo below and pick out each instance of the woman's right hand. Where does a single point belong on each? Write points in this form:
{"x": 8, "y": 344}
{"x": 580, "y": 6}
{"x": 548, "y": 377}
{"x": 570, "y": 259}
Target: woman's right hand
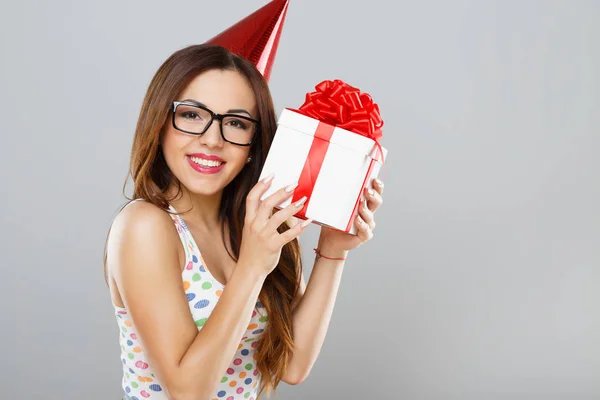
{"x": 261, "y": 242}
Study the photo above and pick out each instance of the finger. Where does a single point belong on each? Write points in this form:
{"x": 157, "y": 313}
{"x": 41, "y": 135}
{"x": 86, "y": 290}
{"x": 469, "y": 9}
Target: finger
{"x": 374, "y": 199}
{"x": 363, "y": 230}
{"x": 293, "y": 232}
{"x": 284, "y": 214}
{"x": 265, "y": 209}
{"x": 378, "y": 185}
{"x": 253, "y": 198}
{"x": 366, "y": 214}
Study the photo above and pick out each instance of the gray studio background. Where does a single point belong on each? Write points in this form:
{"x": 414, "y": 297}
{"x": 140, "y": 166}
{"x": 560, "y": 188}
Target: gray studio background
{"x": 483, "y": 279}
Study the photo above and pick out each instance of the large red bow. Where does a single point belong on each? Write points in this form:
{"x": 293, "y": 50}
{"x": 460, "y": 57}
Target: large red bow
{"x": 339, "y": 104}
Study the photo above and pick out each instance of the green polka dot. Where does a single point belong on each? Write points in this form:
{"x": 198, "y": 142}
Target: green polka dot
{"x": 124, "y": 329}
{"x": 249, "y": 340}
{"x": 196, "y": 277}
{"x": 263, "y": 319}
{"x": 249, "y": 366}
{"x": 153, "y": 375}
{"x": 247, "y": 395}
{"x": 206, "y": 285}
{"x": 224, "y": 379}
{"x": 201, "y": 322}
{"x": 131, "y": 356}
{"x": 127, "y": 375}
{"x": 134, "y": 385}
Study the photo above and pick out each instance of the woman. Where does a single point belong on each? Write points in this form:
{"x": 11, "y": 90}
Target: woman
{"x": 205, "y": 278}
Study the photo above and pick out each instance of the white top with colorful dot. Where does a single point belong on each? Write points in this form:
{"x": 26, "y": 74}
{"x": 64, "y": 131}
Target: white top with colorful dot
{"x": 240, "y": 381}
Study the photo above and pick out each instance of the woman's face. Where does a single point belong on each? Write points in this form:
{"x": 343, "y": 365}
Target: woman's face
{"x": 188, "y": 155}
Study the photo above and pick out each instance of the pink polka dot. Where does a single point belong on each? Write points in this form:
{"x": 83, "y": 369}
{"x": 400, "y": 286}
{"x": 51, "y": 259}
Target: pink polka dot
{"x": 122, "y": 312}
{"x": 245, "y": 337}
{"x": 189, "y": 266}
{"x": 230, "y": 398}
{"x": 145, "y": 394}
{"x": 255, "y": 372}
{"x": 239, "y": 390}
{"x": 253, "y": 313}
{"x": 133, "y": 336}
{"x": 254, "y": 344}
{"x": 230, "y": 371}
{"x": 237, "y": 361}
{"x": 141, "y": 365}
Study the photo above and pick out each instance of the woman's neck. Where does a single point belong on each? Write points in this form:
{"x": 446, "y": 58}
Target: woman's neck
{"x": 203, "y": 210}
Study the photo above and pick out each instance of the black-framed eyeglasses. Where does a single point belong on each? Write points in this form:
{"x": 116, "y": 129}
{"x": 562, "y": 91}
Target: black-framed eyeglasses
{"x": 195, "y": 119}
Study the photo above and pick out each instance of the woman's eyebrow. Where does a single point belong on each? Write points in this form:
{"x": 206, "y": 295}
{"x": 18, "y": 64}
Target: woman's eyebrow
{"x": 234, "y": 110}
{"x": 239, "y": 110}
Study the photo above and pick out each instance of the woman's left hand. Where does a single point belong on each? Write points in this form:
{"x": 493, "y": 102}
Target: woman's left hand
{"x": 365, "y": 223}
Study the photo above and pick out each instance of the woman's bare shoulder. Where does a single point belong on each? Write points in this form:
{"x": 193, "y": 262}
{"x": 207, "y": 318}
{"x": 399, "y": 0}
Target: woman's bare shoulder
{"x": 141, "y": 227}
{"x": 141, "y": 213}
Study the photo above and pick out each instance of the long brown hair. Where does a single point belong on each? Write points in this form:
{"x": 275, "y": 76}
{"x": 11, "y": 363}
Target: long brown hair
{"x": 151, "y": 178}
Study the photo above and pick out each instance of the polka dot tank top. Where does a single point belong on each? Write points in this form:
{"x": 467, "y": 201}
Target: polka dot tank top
{"x": 240, "y": 381}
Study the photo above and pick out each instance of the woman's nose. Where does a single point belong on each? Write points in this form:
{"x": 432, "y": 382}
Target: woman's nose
{"x": 212, "y": 136}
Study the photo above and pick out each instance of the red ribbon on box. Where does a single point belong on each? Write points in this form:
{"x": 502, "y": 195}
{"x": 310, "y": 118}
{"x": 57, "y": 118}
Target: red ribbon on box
{"x": 335, "y": 103}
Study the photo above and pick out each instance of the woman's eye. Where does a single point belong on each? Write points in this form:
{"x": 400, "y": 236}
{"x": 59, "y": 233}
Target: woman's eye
{"x": 190, "y": 115}
{"x": 237, "y": 124}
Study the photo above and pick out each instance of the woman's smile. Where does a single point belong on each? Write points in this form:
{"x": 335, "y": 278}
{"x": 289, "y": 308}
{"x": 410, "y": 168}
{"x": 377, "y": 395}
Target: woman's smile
{"x": 205, "y": 164}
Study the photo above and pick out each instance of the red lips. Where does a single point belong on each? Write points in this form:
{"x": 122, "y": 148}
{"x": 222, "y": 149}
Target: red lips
{"x": 207, "y": 156}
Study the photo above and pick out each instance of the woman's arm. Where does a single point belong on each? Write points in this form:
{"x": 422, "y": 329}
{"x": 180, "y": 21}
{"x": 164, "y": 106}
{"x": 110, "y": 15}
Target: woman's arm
{"x": 314, "y": 303}
{"x": 144, "y": 264}
{"x": 312, "y": 313}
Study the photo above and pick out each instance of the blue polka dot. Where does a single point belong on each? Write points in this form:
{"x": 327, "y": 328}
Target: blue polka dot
{"x": 124, "y": 362}
{"x": 132, "y": 371}
{"x": 259, "y": 304}
{"x": 202, "y": 268}
{"x": 248, "y": 381}
{"x": 245, "y": 352}
{"x": 127, "y": 389}
{"x": 201, "y": 304}
{"x": 256, "y": 332}
{"x": 191, "y": 296}
{"x": 221, "y": 393}
{"x": 194, "y": 259}
{"x": 155, "y": 387}
{"x": 134, "y": 398}
{"x": 129, "y": 343}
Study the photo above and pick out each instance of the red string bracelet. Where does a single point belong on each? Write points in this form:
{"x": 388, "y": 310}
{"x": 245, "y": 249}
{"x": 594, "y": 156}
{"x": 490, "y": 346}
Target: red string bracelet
{"x": 328, "y": 258}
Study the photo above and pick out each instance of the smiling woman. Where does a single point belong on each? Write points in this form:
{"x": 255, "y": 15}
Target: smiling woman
{"x": 205, "y": 275}
{"x": 181, "y": 310}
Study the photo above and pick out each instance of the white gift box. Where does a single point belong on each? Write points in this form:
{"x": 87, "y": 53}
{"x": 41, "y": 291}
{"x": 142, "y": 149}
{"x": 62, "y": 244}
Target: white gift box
{"x": 349, "y": 165}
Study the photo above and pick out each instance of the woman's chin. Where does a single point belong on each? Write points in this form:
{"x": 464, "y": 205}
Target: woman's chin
{"x": 208, "y": 184}
{"x": 205, "y": 189}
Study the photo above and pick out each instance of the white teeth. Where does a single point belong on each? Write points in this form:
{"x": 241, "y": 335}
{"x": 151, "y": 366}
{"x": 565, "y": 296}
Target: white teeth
{"x": 206, "y": 163}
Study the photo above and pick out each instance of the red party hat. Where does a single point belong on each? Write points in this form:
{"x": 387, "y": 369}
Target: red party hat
{"x": 256, "y": 37}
